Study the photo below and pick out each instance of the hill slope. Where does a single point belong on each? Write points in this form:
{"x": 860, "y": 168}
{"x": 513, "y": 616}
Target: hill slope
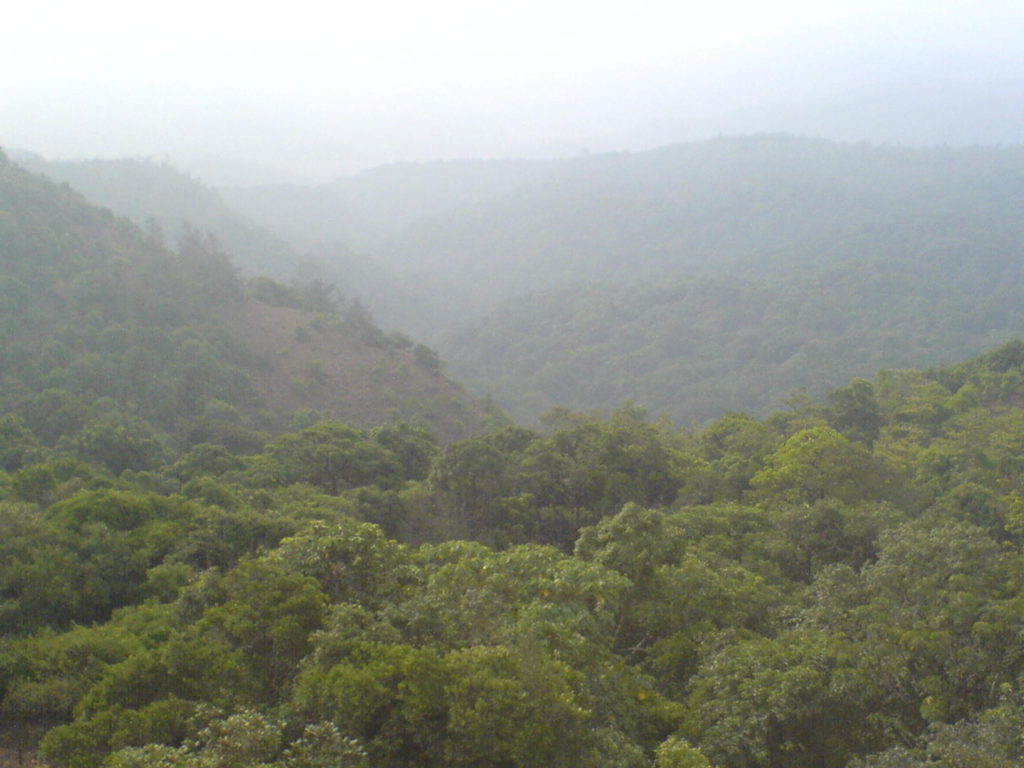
{"x": 695, "y": 278}
{"x": 755, "y": 206}
{"x": 161, "y": 199}
{"x": 97, "y": 318}
{"x": 699, "y": 348}
{"x": 727, "y": 274}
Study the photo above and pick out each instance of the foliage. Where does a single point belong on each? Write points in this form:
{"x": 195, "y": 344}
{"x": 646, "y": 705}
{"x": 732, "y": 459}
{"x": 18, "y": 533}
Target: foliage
{"x": 839, "y": 584}
{"x": 722, "y": 275}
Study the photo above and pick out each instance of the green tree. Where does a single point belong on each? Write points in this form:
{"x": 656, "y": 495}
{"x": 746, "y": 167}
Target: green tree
{"x": 269, "y": 615}
{"x": 793, "y": 701}
{"x": 18, "y": 445}
{"x": 118, "y": 442}
{"x": 938, "y": 615}
{"x": 351, "y": 561}
{"x": 507, "y": 710}
{"x": 413, "y": 446}
{"x": 676, "y": 752}
{"x": 332, "y": 456}
{"x": 820, "y": 463}
{"x": 854, "y": 411}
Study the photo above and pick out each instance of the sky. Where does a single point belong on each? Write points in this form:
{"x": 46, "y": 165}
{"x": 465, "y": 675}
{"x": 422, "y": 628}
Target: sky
{"x": 317, "y": 89}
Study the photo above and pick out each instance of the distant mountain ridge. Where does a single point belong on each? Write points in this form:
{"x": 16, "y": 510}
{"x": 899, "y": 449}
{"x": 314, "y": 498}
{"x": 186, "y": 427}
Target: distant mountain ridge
{"x": 752, "y": 205}
{"x": 918, "y": 112}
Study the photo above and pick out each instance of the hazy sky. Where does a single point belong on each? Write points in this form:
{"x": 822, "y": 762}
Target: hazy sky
{"x": 319, "y": 88}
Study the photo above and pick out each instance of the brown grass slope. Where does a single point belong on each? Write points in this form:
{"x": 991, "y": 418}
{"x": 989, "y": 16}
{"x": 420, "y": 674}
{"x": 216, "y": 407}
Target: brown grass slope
{"x": 344, "y": 369}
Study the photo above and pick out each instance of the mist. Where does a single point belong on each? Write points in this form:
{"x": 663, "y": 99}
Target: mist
{"x": 244, "y": 96}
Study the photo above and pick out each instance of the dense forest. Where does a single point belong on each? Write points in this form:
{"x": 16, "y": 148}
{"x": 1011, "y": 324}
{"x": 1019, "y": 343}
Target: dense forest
{"x": 695, "y": 348}
{"x": 836, "y": 585}
{"x": 695, "y": 279}
{"x": 221, "y": 550}
{"x": 725, "y": 275}
{"x": 105, "y": 329}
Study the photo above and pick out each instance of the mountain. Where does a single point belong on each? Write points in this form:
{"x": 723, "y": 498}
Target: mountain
{"x": 728, "y": 274}
{"x": 702, "y": 277}
{"x": 223, "y": 171}
{"x": 695, "y": 349}
{"x": 344, "y": 227}
{"x": 914, "y": 112}
{"x": 167, "y": 202}
{"x": 694, "y": 278}
{"x": 754, "y": 205}
{"x": 99, "y": 321}
{"x": 370, "y": 207}
{"x": 180, "y": 588}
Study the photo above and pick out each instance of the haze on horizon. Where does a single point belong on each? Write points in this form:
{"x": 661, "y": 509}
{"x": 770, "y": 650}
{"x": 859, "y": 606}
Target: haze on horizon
{"x": 318, "y": 91}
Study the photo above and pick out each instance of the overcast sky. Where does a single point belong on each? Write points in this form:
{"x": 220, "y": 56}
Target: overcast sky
{"x": 322, "y": 88}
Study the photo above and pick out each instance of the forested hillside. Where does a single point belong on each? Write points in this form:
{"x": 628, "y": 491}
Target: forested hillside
{"x": 838, "y": 585}
{"x": 693, "y": 279}
{"x": 378, "y": 390}
{"x": 751, "y": 206}
{"x": 169, "y": 205}
{"x": 729, "y": 274}
{"x": 242, "y": 526}
{"x": 702, "y": 277}
{"x": 113, "y": 343}
{"x": 694, "y": 349}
